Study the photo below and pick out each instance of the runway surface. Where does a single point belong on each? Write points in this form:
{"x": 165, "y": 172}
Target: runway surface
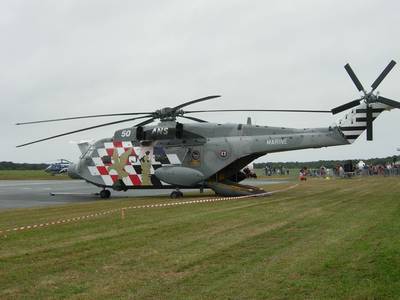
{"x": 31, "y": 193}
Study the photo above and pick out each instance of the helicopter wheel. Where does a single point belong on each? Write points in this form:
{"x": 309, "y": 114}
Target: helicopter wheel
{"x": 105, "y": 194}
{"x": 176, "y": 194}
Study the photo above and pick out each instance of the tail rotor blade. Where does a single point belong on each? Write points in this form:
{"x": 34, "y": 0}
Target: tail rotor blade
{"x": 388, "y": 68}
{"x": 369, "y": 123}
{"x": 389, "y": 102}
{"x": 346, "y": 106}
{"x": 354, "y": 77}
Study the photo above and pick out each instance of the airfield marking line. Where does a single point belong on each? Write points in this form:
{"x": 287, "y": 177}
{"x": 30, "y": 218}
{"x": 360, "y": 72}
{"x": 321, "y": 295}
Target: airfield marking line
{"x": 63, "y": 221}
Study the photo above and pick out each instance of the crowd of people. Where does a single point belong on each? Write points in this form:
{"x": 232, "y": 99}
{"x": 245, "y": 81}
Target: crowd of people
{"x": 341, "y": 170}
{"x": 349, "y": 169}
{"x": 389, "y": 169}
{"x": 269, "y": 171}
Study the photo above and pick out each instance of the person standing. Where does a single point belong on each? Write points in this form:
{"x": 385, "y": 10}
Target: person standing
{"x": 145, "y": 163}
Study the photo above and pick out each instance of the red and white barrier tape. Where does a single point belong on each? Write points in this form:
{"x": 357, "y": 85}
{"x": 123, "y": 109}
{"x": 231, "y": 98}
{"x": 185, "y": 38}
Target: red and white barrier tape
{"x": 93, "y": 215}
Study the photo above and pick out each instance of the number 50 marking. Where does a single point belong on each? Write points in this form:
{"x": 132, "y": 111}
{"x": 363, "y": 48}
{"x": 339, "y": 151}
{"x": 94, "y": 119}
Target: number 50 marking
{"x": 126, "y": 133}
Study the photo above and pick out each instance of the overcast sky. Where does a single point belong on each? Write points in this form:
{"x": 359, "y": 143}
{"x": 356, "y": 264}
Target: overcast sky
{"x": 67, "y": 58}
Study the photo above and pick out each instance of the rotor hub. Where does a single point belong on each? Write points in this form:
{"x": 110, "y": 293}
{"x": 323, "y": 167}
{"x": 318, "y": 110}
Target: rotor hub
{"x": 371, "y": 97}
{"x": 168, "y": 114}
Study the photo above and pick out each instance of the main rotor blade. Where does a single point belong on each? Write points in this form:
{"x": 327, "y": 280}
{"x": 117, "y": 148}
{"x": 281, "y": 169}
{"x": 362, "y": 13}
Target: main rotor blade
{"x": 145, "y": 122}
{"x": 369, "y": 123}
{"x": 261, "y": 110}
{"x": 83, "y": 129}
{"x": 83, "y": 117}
{"x": 195, "y": 119}
{"x": 388, "y": 68}
{"x": 354, "y": 77}
{"x": 346, "y": 106}
{"x": 195, "y": 101}
{"x": 389, "y": 102}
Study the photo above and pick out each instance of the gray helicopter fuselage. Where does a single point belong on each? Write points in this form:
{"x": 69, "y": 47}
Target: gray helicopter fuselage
{"x": 204, "y": 151}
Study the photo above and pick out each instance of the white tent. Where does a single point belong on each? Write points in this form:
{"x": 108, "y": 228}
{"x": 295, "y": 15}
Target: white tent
{"x": 361, "y": 165}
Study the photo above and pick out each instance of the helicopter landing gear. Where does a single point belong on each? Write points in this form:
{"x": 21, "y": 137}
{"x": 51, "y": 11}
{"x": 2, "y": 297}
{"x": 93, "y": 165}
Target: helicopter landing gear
{"x": 176, "y": 194}
{"x": 105, "y": 194}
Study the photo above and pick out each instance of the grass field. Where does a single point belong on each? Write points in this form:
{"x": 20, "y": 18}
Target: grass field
{"x": 336, "y": 239}
{"x": 29, "y": 175}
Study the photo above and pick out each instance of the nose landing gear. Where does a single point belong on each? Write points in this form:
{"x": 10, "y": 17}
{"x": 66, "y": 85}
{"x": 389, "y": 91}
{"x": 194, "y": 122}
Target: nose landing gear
{"x": 105, "y": 194}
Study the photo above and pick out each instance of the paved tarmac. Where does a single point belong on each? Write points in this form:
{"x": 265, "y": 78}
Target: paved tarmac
{"x": 32, "y": 193}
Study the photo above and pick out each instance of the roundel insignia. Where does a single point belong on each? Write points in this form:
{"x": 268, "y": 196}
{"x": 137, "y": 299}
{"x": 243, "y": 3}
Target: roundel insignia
{"x": 223, "y": 153}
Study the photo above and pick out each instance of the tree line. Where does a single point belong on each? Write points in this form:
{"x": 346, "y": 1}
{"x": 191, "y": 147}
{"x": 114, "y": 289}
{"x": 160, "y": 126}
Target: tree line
{"x": 8, "y": 165}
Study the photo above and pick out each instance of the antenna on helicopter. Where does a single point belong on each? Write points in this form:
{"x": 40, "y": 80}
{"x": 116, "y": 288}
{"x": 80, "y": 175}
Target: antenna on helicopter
{"x": 368, "y": 97}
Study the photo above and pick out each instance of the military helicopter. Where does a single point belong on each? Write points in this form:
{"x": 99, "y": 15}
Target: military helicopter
{"x": 173, "y": 155}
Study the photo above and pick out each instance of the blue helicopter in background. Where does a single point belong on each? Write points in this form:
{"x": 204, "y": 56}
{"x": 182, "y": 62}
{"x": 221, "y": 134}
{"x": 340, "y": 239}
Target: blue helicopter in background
{"x": 58, "y": 167}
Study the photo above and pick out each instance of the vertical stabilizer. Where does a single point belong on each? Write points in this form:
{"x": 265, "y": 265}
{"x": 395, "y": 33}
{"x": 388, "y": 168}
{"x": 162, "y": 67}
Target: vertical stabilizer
{"x": 354, "y": 122}
{"x": 83, "y": 147}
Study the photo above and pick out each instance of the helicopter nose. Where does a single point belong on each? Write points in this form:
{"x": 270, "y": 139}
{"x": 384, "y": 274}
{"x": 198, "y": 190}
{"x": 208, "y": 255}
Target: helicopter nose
{"x": 73, "y": 171}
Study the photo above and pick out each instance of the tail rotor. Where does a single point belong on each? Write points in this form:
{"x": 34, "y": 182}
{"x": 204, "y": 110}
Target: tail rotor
{"x": 369, "y": 98}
